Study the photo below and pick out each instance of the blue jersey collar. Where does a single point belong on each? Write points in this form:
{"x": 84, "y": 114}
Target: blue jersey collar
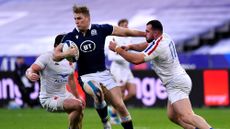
{"x": 90, "y": 25}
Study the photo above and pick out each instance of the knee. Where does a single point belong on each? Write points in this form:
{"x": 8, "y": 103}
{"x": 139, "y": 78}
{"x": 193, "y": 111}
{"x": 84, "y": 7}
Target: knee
{"x": 78, "y": 106}
{"x": 94, "y": 90}
{"x": 72, "y": 105}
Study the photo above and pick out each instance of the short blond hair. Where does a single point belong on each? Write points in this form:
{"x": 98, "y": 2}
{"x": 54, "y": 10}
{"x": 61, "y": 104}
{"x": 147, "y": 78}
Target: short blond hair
{"x": 122, "y": 21}
{"x": 81, "y": 9}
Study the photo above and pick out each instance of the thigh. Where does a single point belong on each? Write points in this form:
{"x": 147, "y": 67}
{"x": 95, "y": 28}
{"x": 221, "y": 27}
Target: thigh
{"x": 170, "y": 111}
{"x": 53, "y": 104}
{"x": 113, "y": 96}
{"x": 131, "y": 87}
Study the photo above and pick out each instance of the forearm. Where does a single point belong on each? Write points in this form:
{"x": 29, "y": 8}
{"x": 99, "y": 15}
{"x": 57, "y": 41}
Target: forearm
{"x": 58, "y": 55}
{"x": 72, "y": 86}
{"x": 73, "y": 89}
{"x": 34, "y": 68}
{"x": 134, "y": 33}
{"x": 135, "y": 58}
{"x": 138, "y": 47}
{"x": 120, "y": 31}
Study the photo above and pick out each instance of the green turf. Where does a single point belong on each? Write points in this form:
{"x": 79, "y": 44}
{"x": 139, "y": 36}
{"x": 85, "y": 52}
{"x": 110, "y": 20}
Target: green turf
{"x": 151, "y": 118}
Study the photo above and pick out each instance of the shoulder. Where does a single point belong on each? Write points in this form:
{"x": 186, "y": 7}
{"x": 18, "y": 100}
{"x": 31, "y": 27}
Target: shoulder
{"x": 70, "y": 35}
{"x": 166, "y": 38}
{"x": 44, "y": 59}
{"x": 101, "y": 26}
{"x": 47, "y": 54}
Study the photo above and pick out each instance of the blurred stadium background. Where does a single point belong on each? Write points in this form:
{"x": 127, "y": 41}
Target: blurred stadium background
{"x": 200, "y": 28}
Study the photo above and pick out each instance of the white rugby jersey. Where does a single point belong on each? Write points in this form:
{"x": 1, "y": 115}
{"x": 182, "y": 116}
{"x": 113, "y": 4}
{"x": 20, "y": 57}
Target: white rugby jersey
{"x": 163, "y": 56}
{"x": 116, "y": 59}
{"x": 54, "y": 75}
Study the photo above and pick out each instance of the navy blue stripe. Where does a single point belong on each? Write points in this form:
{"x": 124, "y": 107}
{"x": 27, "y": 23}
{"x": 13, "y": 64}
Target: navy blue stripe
{"x": 149, "y": 46}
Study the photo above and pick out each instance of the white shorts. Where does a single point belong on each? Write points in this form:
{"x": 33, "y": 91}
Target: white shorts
{"x": 121, "y": 74}
{"x": 104, "y": 77}
{"x": 55, "y": 103}
{"x": 179, "y": 88}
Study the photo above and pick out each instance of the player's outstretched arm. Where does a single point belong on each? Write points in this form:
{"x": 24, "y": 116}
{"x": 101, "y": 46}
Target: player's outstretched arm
{"x": 135, "y": 58}
{"x": 137, "y": 47}
{"x": 32, "y": 72}
{"x": 121, "y": 31}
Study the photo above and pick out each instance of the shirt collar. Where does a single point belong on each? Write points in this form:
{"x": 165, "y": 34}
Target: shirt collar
{"x": 90, "y": 25}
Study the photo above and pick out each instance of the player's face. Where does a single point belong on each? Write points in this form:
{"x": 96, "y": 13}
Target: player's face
{"x": 82, "y": 22}
{"x": 149, "y": 33}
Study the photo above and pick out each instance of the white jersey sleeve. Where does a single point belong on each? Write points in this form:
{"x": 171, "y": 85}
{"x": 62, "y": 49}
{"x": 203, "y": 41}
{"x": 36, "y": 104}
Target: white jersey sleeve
{"x": 42, "y": 60}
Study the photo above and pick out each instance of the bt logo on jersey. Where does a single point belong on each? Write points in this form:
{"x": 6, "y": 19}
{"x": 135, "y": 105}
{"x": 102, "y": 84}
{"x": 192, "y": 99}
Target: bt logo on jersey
{"x": 87, "y": 46}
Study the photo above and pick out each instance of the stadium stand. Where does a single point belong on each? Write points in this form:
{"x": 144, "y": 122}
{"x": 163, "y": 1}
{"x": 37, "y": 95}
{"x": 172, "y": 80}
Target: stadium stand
{"x": 196, "y": 25}
{"x": 221, "y": 47}
{"x": 28, "y": 26}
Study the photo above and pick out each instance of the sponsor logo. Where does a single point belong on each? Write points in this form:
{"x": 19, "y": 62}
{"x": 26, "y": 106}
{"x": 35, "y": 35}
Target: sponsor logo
{"x": 87, "y": 46}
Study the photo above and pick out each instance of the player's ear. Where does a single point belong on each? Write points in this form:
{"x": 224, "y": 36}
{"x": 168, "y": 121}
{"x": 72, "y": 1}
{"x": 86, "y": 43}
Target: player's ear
{"x": 155, "y": 33}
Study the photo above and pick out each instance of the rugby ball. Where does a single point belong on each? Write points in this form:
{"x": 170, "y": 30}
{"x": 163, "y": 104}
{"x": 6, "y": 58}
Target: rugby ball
{"x": 68, "y": 44}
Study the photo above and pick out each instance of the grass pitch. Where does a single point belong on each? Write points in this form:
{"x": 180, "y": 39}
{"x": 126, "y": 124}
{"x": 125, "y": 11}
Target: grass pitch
{"x": 143, "y": 118}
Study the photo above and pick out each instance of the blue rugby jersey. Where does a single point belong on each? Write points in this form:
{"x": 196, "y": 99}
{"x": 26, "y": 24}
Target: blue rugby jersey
{"x": 91, "y": 47}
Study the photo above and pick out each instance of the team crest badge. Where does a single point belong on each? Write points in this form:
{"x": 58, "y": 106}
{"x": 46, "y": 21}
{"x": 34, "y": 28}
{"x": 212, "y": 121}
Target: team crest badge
{"x": 93, "y": 32}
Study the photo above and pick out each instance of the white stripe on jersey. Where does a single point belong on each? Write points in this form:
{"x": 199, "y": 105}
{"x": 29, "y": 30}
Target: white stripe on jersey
{"x": 153, "y": 46}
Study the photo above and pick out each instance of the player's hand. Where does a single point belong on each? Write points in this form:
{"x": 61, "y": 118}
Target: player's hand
{"x": 83, "y": 103}
{"x": 112, "y": 45}
{"x": 71, "y": 52}
{"x": 32, "y": 76}
{"x": 126, "y": 48}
